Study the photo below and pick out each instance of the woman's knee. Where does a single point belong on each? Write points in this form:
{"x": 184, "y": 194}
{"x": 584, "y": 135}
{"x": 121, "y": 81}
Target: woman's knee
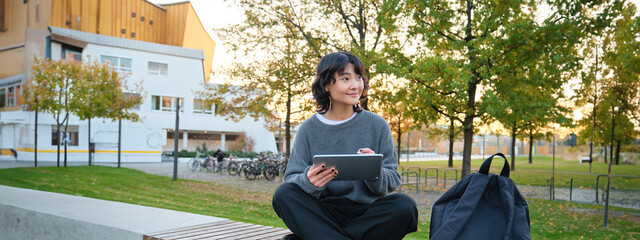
{"x": 285, "y": 191}
{"x": 403, "y": 205}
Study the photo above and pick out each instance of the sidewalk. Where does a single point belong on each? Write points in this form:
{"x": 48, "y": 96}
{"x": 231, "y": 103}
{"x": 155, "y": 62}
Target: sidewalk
{"x": 31, "y": 214}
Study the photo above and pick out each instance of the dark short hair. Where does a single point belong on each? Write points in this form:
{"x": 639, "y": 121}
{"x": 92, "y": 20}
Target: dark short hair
{"x": 327, "y": 67}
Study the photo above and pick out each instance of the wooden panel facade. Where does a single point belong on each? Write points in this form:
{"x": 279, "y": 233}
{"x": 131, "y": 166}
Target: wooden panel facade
{"x": 117, "y": 18}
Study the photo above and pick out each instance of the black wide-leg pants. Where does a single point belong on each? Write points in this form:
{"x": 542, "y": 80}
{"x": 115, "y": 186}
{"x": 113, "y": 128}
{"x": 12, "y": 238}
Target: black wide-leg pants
{"x": 390, "y": 217}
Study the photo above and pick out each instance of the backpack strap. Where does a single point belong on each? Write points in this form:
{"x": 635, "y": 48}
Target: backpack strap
{"x": 487, "y": 164}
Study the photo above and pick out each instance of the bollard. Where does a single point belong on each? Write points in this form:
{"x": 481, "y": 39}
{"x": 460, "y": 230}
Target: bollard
{"x": 570, "y": 190}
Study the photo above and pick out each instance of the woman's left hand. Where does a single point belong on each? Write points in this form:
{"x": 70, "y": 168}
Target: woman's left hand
{"x": 365, "y": 151}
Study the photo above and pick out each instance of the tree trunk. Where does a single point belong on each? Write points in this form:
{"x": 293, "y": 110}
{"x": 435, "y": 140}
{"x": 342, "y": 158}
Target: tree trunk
{"x": 618, "y": 152}
{"x": 530, "y": 148}
{"x": 66, "y": 132}
{"x": 399, "y": 140}
{"x": 593, "y": 130}
{"x": 471, "y": 95}
{"x": 451, "y": 139}
{"x": 89, "y": 139}
{"x": 287, "y": 123}
{"x": 514, "y": 129}
{"x": 35, "y": 141}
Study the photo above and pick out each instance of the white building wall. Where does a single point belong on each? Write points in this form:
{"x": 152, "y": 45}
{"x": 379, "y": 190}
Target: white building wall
{"x": 142, "y": 141}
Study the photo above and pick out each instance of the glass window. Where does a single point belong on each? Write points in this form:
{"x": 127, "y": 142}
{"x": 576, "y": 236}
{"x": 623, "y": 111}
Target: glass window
{"x": 71, "y": 136}
{"x": 133, "y": 95}
{"x": 155, "y": 102}
{"x": 117, "y": 63}
{"x": 70, "y": 54}
{"x": 166, "y": 104}
{"x": 3, "y": 97}
{"x": 200, "y": 106}
{"x": 158, "y": 69}
{"x": 11, "y": 97}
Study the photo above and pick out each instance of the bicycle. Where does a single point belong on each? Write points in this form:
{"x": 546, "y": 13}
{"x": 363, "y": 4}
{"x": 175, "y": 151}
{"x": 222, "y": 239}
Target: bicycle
{"x": 205, "y": 162}
{"x": 263, "y": 166}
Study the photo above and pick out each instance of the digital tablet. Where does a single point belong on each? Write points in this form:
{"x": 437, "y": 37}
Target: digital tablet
{"x": 352, "y": 166}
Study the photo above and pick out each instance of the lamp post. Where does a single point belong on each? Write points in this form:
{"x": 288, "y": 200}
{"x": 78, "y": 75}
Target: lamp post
{"x": 606, "y": 201}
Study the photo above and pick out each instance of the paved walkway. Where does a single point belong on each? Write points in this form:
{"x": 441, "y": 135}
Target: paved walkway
{"x": 32, "y": 214}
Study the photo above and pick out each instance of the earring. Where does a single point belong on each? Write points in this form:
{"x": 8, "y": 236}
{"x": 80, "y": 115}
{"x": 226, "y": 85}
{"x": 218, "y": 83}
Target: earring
{"x": 329, "y": 104}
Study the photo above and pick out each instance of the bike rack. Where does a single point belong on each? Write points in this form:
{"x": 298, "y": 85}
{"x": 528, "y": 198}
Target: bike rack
{"x": 601, "y": 175}
{"x": 408, "y": 173}
{"x": 417, "y": 176}
{"x": 445, "y": 175}
{"x": 426, "y": 175}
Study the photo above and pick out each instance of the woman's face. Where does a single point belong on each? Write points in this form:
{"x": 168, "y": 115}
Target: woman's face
{"x": 347, "y": 89}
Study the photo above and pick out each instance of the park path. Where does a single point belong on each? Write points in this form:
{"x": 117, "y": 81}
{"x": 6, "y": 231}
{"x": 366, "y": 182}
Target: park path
{"x": 424, "y": 198}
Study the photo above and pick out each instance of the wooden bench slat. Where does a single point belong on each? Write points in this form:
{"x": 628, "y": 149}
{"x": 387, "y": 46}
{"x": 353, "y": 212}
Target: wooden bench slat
{"x": 183, "y": 234}
{"x": 220, "y": 230}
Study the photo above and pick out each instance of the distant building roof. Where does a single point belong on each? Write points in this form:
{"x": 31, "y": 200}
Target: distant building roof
{"x": 76, "y": 38}
{"x": 11, "y": 80}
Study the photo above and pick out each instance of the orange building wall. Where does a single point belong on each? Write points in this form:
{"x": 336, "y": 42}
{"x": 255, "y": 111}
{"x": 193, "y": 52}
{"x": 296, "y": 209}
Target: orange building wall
{"x": 110, "y": 17}
{"x": 195, "y": 36}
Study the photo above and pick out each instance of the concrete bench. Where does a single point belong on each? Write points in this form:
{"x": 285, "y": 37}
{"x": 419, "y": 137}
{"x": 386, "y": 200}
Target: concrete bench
{"x": 32, "y": 214}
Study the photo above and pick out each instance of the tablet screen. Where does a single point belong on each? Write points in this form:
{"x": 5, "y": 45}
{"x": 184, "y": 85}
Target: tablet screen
{"x": 352, "y": 166}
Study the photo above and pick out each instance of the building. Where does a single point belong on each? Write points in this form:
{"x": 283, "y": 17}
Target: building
{"x": 164, "y": 48}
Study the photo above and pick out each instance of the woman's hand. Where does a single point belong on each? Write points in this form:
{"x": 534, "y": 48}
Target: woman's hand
{"x": 319, "y": 175}
{"x": 365, "y": 151}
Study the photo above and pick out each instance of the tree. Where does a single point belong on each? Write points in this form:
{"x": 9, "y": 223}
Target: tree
{"x": 50, "y": 90}
{"x": 623, "y": 61}
{"x": 474, "y": 40}
{"x": 274, "y": 83}
{"x": 391, "y": 101}
{"x": 83, "y": 89}
{"x": 359, "y": 27}
{"x": 613, "y": 82}
{"x": 102, "y": 92}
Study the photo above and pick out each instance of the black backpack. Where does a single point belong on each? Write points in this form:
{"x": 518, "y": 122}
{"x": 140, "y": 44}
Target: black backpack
{"x": 482, "y": 205}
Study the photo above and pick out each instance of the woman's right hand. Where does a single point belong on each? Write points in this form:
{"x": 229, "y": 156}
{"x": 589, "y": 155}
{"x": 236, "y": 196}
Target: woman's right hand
{"x": 319, "y": 175}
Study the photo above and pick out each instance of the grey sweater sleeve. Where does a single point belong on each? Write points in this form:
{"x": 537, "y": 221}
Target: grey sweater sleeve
{"x": 389, "y": 179}
{"x": 299, "y": 163}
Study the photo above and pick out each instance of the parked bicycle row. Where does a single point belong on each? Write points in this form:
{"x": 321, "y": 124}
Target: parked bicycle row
{"x": 267, "y": 166}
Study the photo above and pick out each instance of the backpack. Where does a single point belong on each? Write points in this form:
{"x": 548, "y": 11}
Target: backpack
{"x": 481, "y": 205}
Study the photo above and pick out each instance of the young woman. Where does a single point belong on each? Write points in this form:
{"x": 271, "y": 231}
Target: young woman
{"x": 313, "y": 206}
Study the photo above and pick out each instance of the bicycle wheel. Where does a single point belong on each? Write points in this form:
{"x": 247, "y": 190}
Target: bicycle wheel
{"x": 209, "y": 166}
{"x": 249, "y": 173}
{"x": 193, "y": 164}
{"x": 270, "y": 173}
{"x": 233, "y": 169}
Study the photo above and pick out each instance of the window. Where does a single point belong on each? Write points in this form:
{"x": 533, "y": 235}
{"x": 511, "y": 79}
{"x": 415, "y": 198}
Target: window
{"x": 166, "y": 104}
{"x": 158, "y": 69}
{"x": 11, "y": 96}
{"x": 133, "y": 95}
{"x": 3, "y": 97}
{"x": 71, "y": 136}
{"x": 199, "y": 106}
{"x": 3, "y": 27}
{"x": 117, "y": 63}
{"x": 71, "y": 54}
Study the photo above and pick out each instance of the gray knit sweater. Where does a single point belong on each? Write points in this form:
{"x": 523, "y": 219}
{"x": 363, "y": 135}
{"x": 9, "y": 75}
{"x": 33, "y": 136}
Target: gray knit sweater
{"x": 365, "y": 130}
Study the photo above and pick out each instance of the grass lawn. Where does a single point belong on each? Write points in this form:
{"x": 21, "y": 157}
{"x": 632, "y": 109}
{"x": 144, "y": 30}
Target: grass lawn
{"x": 550, "y": 220}
{"x": 538, "y": 173}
